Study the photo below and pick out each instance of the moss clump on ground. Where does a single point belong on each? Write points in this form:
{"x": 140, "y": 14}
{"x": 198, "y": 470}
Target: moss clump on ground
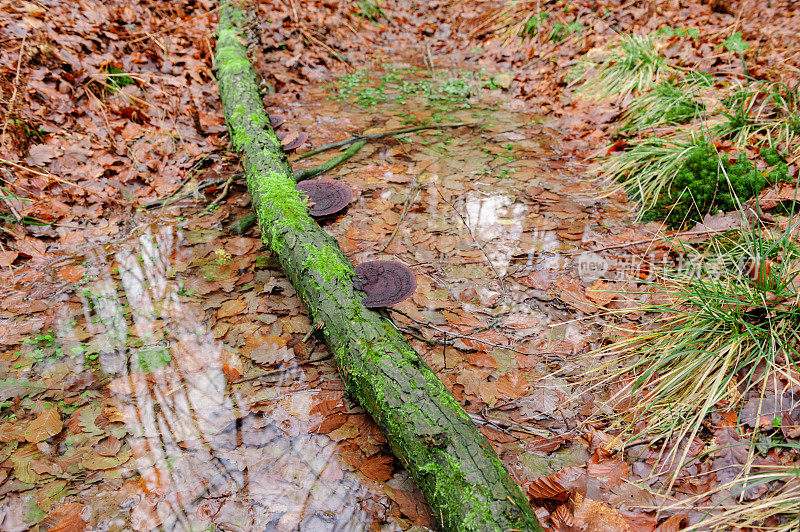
{"x": 708, "y": 183}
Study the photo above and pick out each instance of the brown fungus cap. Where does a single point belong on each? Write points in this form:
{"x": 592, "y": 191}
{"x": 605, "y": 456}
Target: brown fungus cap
{"x": 291, "y": 140}
{"x": 325, "y": 196}
{"x": 384, "y": 282}
{"x": 276, "y": 120}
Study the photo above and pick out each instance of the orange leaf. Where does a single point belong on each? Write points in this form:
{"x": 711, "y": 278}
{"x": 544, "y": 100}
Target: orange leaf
{"x": 547, "y": 488}
{"x": 48, "y": 424}
{"x": 231, "y": 307}
{"x": 601, "y": 292}
{"x": 155, "y": 481}
{"x": 72, "y": 273}
{"x": 512, "y": 385}
{"x": 65, "y": 518}
{"x": 232, "y": 365}
{"x": 378, "y": 468}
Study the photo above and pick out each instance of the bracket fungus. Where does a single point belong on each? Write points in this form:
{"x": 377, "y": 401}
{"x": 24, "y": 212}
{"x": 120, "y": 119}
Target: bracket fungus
{"x": 325, "y": 196}
{"x": 291, "y": 140}
{"x": 384, "y": 282}
{"x": 275, "y": 121}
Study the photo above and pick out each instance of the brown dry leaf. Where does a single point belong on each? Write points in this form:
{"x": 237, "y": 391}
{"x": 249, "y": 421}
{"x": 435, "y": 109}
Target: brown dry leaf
{"x": 113, "y": 414}
{"x": 482, "y": 359}
{"x": 378, "y": 468}
{"x": 133, "y": 384}
{"x": 72, "y": 273}
{"x": 520, "y": 320}
{"x": 598, "y": 516}
{"x": 7, "y": 258}
{"x": 145, "y": 515}
{"x": 487, "y": 392}
{"x": 109, "y": 446}
{"x": 713, "y": 224}
{"x": 609, "y": 471}
{"x": 241, "y": 245}
{"x": 562, "y": 518}
{"x": 485, "y": 340}
{"x": 31, "y": 247}
{"x": 65, "y": 518}
{"x": 232, "y": 365}
{"x": 512, "y": 385}
{"x": 601, "y": 292}
{"x": 43, "y": 154}
{"x": 266, "y": 349}
{"x": 542, "y": 445}
{"x": 296, "y": 324}
{"x": 672, "y": 524}
{"x": 47, "y": 425}
{"x": 571, "y": 292}
{"x": 94, "y": 461}
{"x": 547, "y": 488}
{"x": 232, "y": 307}
{"x": 155, "y": 481}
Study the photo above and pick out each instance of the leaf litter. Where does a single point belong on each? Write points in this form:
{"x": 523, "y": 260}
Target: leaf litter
{"x": 160, "y": 369}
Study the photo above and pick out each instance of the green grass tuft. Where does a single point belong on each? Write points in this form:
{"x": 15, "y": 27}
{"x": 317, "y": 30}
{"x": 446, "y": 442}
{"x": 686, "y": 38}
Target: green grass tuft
{"x": 725, "y": 327}
{"x": 632, "y": 65}
{"x": 668, "y": 102}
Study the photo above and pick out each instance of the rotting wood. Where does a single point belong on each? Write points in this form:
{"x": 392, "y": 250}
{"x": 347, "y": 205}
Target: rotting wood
{"x": 463, "y": 480}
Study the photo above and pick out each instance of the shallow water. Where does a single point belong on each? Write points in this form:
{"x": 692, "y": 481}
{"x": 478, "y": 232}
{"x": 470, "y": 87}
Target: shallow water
{"x": 163, "y": 367}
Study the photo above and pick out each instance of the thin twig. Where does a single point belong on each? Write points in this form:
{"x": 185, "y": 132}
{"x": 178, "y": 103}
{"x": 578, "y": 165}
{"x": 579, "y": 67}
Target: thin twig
{"x": 412, "y": 194}
{"x": 504, "y": 426}
{"x": 653, "y": 240}
{"x": 11, "y": 102}
{"x": 167, "y": 201}
{"x": 375, "y": 136}
{"x": 282, "y": 370}
{"x": 222, "y": 195}
{"x": 468, "y": 337}
{"x": 60, "y": 180}
{"x": 480, "y": 245}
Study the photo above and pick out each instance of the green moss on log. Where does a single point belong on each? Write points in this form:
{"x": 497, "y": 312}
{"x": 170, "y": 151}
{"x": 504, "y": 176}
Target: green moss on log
{"x": 465, "y": 483}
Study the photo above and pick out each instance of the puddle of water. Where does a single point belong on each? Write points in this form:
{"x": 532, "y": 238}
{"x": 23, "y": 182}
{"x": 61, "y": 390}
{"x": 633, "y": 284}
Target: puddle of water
{"x": 185, "y": 396}
{"x": 164, "y": 423}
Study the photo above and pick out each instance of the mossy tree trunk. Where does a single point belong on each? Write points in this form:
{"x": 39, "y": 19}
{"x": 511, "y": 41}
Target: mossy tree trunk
{"x": 465, "y": 483}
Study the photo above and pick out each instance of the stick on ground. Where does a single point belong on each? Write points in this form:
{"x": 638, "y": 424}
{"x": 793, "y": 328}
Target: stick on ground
{"x": 376, "y": 136}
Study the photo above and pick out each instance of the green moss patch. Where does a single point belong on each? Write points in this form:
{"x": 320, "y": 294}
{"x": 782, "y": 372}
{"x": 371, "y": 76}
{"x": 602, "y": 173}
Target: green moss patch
{"x": 707, "y": 183}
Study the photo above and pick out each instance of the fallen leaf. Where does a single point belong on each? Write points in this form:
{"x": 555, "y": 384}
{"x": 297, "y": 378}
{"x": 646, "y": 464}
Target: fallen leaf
{"x": 155, "y": 481}
{"x": 65, "y": 518}
{"x": 109, "y": 446}
{"x": 232, "y": 365}
{"x": 546, "y": 488}
{"x": 512, "y": 385}
{"x": 601, "y": 292}
{"x": 378, "y": 468}
{"x": 232, "y": 307}
{"x": 47, "y": 425}
{"x": 571, "y": 292}
{"x": 72, "y": 273}
{"x": 42, "y": 154}
{"x": 7, "y": 258}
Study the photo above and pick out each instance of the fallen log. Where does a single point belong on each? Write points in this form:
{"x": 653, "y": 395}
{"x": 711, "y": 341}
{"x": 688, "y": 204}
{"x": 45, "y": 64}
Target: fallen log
{"x": 463, "y": 480}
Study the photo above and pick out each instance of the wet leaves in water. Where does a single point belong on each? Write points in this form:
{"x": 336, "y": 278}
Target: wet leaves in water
{"x": 179, "y": 341}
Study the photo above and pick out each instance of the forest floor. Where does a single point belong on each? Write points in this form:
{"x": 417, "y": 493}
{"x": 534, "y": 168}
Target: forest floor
{"x": 157, "y": 371}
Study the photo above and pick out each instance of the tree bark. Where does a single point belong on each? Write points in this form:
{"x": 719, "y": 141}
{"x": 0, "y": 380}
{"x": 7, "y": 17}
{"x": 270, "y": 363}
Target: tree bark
{"x": 464, "y": 482}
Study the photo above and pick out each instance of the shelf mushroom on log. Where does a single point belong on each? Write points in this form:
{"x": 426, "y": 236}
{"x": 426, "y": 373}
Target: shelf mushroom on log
{"x": 385, "y": 283}
{"x": 325, "y": 196}
{"x": 463, "y": 480}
